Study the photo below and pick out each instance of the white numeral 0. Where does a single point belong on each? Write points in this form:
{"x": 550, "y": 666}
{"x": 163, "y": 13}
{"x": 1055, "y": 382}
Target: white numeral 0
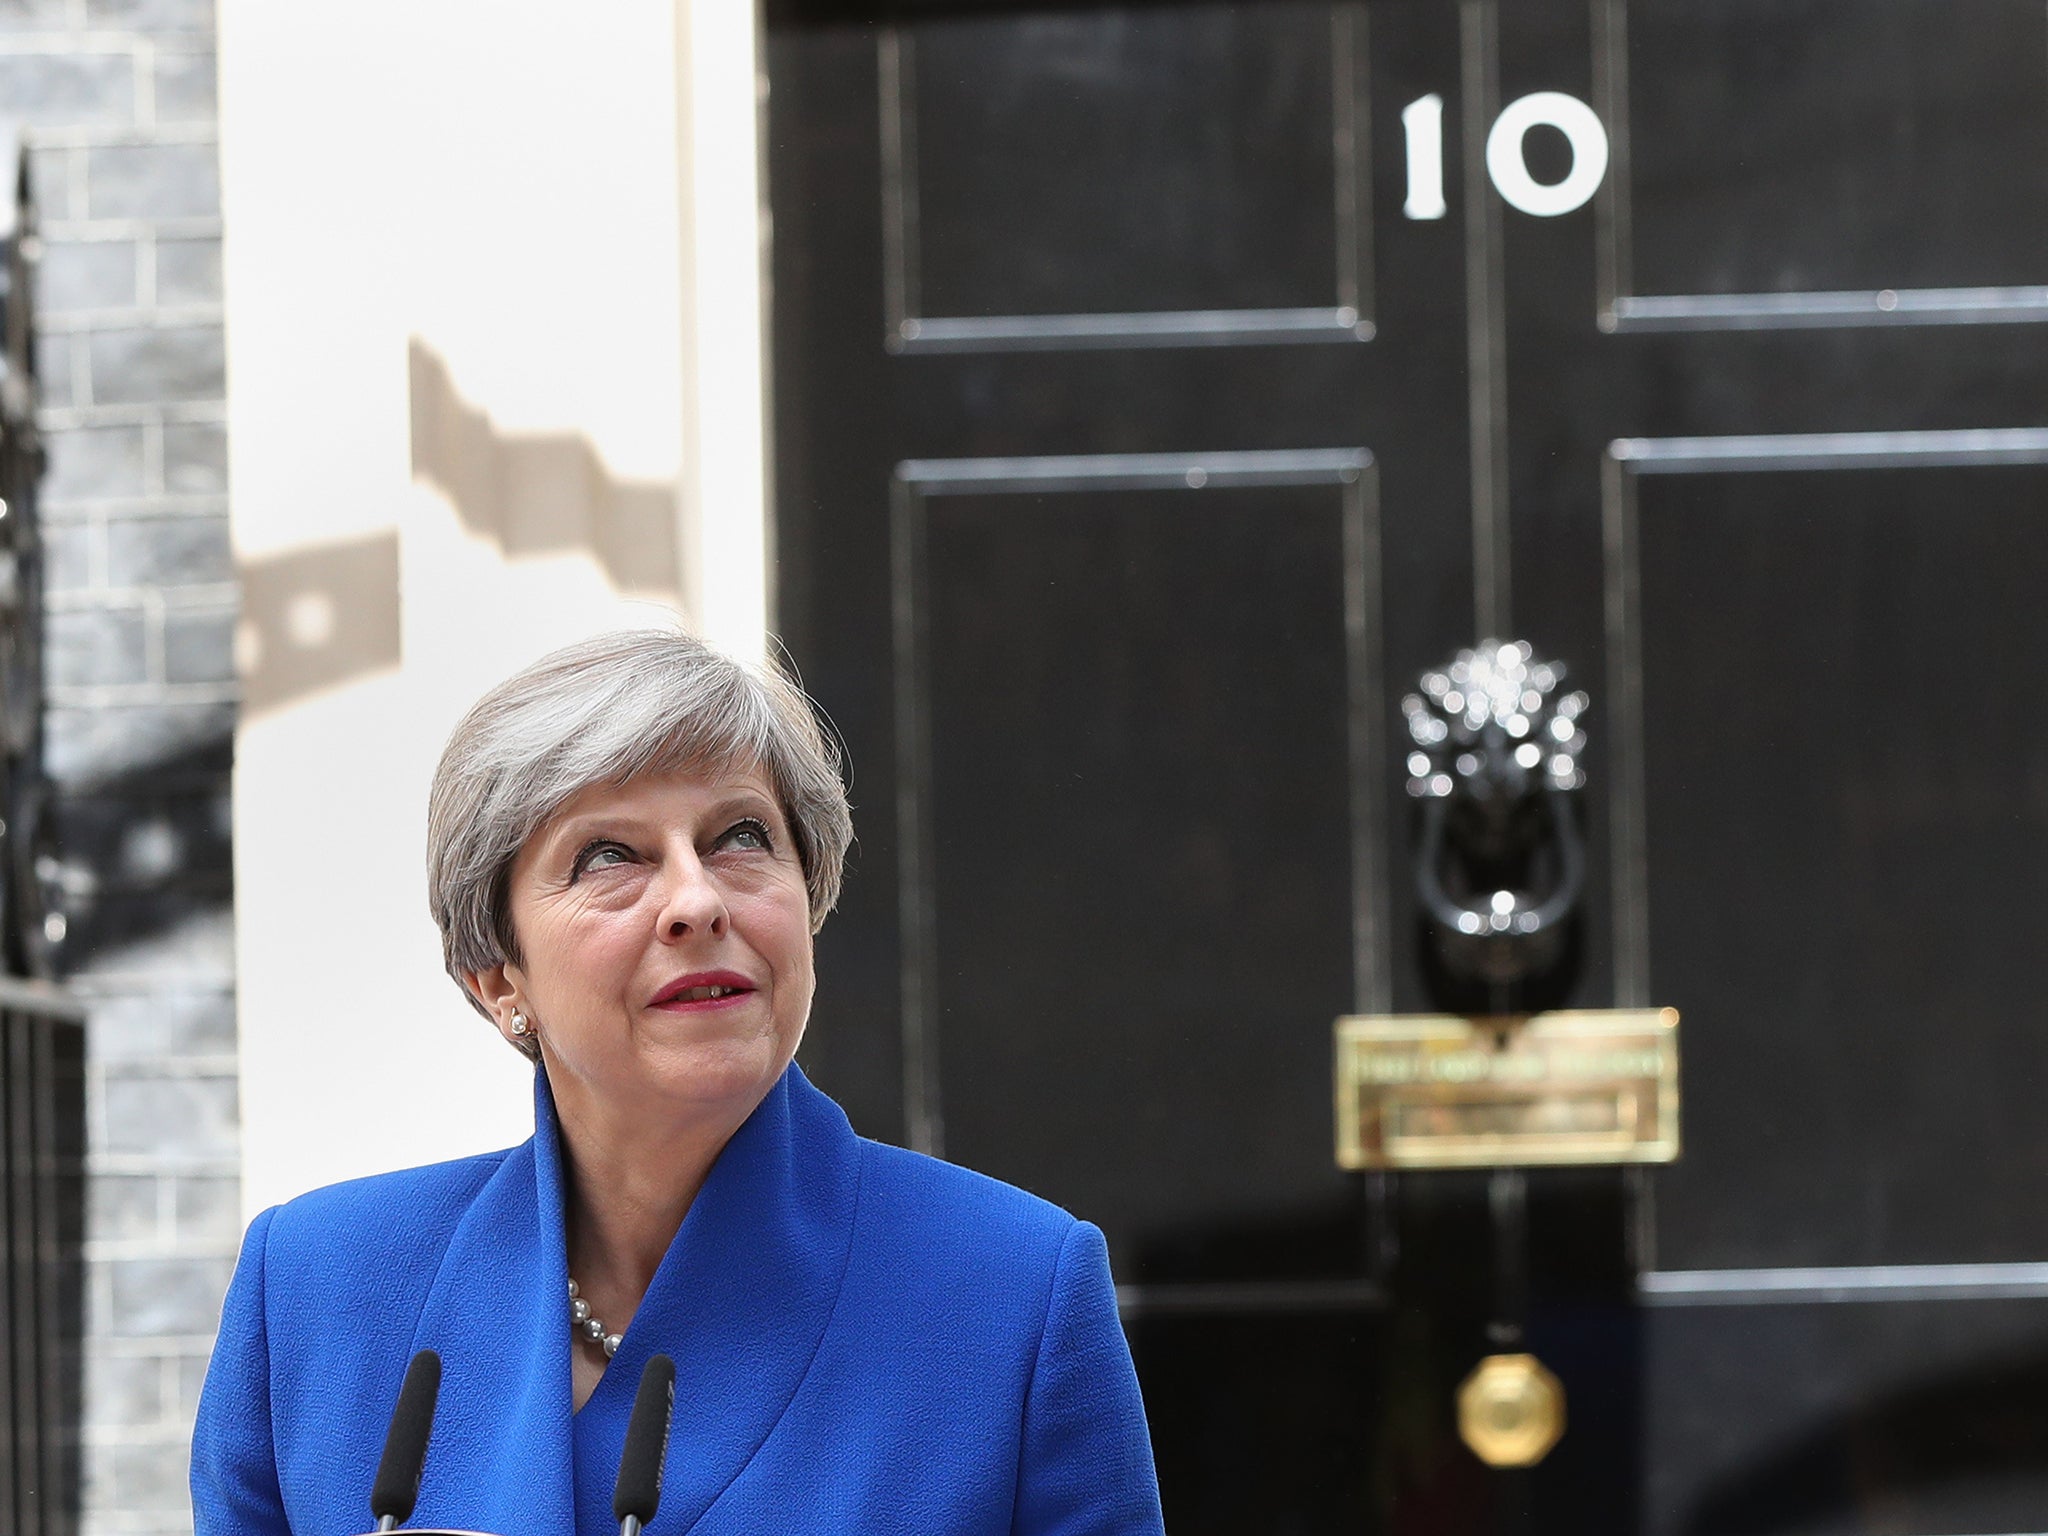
{"x": 1423, "y": 123}
{"x": 1505, "y": 163}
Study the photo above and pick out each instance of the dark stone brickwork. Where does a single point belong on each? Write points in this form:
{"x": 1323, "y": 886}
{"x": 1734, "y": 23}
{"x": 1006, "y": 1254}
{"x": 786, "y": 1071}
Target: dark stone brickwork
{"x": 116, "y": 99}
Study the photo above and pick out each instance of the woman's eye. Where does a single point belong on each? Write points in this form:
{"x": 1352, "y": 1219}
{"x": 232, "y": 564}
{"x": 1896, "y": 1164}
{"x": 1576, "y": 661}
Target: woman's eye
{"x": 750, "y": 834}
{"x": 599, "y": 855}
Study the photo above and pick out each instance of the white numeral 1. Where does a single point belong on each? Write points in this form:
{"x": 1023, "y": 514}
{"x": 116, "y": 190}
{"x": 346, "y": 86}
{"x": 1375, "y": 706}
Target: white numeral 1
{"x": 1422, "y": 120}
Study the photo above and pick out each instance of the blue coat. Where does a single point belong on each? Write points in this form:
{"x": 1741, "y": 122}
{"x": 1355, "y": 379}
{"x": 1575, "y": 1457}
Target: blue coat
{"x": 865, "y": 1340}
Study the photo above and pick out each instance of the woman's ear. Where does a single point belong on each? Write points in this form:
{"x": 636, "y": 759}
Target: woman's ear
{"x": 497, "y": 989}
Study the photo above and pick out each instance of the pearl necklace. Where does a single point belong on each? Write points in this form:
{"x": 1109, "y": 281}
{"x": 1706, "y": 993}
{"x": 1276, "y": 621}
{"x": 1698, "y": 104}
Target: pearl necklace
{"x": 584, "y": 1324}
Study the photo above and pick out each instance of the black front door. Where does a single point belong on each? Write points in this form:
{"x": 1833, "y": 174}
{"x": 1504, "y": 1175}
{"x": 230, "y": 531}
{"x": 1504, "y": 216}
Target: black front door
{"x": 1159, "y": 391}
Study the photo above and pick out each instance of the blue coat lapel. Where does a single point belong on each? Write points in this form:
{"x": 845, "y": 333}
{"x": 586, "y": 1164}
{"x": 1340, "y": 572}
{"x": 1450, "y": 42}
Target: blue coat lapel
{"x": 500, "y": 1458}
{"x": 740, "y": 1302}
{"x": 743, "y": 1296}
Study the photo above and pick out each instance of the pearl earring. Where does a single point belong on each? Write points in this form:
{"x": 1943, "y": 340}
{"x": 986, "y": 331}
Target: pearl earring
{"x": 519, "y": 1024}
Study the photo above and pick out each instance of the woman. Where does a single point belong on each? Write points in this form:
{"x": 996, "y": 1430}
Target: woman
{"x": 630, "y": 846}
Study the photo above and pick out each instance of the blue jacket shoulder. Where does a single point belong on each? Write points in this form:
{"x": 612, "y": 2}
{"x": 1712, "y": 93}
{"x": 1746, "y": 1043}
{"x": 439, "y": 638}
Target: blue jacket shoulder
{"x": 950, "y": 1208}
{"x": 389, "y": 1222}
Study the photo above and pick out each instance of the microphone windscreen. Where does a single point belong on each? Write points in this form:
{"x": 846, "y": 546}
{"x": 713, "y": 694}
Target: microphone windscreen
{"x": 397, "y": 1487}
{"x": 638, "y": 1490}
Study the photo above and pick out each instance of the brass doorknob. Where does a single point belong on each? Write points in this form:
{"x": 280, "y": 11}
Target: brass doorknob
{"x": 1510, "y": 1411}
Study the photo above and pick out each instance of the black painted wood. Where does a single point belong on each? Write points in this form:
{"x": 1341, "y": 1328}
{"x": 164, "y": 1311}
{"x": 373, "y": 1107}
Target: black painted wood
{"x": 1142, "y": 884}
{"x": 1242, "y": 1405}
{"x": 1049, "y": 186}
{"x": 1831, "y": 144}
{"x": 1867, "y": 772}
{"x": 1913, "y": 1416}
{"x": 1135, "y": 785}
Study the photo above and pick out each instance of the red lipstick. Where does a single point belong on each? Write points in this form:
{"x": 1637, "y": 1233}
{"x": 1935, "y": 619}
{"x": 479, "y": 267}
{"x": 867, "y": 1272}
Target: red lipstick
{"x": 702, "y": 990}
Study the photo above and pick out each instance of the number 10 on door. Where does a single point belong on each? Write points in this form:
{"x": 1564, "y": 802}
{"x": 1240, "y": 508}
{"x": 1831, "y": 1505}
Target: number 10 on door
{"x": 1422, "y": 124}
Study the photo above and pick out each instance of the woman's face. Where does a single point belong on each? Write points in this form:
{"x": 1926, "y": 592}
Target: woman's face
{"x": 665, "y": 930}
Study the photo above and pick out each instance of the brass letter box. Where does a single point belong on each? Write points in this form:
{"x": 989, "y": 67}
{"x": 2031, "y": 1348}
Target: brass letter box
{"x": 1438, "y": 1091}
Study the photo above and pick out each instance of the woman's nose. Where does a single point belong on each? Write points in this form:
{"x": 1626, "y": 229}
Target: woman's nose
{"x": 692, "y": 903}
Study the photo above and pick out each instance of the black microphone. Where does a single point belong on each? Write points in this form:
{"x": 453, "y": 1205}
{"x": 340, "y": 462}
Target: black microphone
{"x": 397, "y": 1487}
{"x": 637, "y": 1494}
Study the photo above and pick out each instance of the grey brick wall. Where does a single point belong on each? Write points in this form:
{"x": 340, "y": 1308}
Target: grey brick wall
{"x": 117, "y": 100}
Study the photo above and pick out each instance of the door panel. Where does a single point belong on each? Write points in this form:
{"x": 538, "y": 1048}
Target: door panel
{"x": 1834, "y": 144}
{"x": 1914, "y": 1415}
{"x": 1848, "y": 809}
{"x": 1042, "y": 186}
{"x": 1240, "y": 1404}
{"x": 1147, "y": 890}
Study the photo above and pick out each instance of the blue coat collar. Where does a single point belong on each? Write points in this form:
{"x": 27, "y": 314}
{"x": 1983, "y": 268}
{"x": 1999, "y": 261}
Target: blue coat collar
{"x": 740, "y": 1302}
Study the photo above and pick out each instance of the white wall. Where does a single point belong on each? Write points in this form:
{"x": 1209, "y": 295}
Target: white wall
{"x": 462, "y": 357}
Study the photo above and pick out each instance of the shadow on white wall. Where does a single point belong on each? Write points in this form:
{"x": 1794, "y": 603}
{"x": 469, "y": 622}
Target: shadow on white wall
{"x": 324, "y": 615}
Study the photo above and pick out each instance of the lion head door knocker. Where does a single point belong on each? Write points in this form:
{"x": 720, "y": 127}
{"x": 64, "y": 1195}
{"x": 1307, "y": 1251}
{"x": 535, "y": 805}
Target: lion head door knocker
{"x": 1495, "y": 766}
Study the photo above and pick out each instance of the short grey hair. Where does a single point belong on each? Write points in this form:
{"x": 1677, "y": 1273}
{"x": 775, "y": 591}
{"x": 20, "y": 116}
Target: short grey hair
{"x": 603, "y": 711}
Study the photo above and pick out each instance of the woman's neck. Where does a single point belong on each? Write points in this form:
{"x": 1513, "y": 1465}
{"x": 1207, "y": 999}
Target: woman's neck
{"x": 629, "y": 1185}
{"x": 630, "y": 1175}
{"x": 627, "y": 1188}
